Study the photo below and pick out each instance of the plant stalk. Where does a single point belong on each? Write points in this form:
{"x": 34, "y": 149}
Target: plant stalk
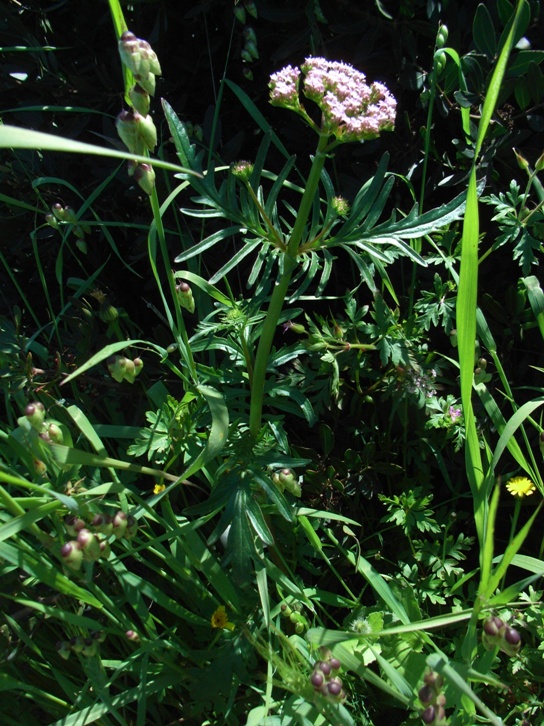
{"x": 280, "y": 290}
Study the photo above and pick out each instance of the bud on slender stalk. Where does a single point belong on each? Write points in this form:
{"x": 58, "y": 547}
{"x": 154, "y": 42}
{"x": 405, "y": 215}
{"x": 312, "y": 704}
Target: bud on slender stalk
{"x": 145, "y": 176}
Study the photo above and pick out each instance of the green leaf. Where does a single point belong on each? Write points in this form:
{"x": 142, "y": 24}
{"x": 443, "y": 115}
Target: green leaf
{"x": 483, "y": 32}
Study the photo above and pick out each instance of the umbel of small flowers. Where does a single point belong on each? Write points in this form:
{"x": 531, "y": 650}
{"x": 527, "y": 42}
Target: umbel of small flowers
{"x": 351, "y": 109}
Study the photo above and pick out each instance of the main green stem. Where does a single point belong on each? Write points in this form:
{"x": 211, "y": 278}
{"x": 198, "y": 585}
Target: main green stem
{"x": 280, "y": 290}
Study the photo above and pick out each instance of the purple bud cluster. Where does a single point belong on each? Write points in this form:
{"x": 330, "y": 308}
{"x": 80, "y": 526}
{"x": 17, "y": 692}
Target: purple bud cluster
{"x": 497, "y": 634}
{"x": 324, "y": 678}
{"x": 124, "y": 369}
{"x": 432, "y": 699}
{"x": 87, "y": 545}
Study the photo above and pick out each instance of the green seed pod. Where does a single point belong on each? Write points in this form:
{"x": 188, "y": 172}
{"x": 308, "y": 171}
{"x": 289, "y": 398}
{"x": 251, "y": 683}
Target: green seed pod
{"x": 148, "y": 82}
{"x": 90, "y": 545}
{"x": 129, "y": 50}
{"x": 140, "y": 99}
{"x": 145, "y": 176}
{"x": 108, "y": 313}
{"x": 35, "y": 414}
{"x": 119, "y": 524}
{"x": 138, "y": 366}
{"x": 55, "y": 433}
{"x": 52, "y": 221}
{"x": 90, "y": 647}
{"x": 130, "y": 371}
{"x": 77, "y": 644}
{"x": 251, "y": 8}
{"x": 132, "y": 527}
{"x": 102, "y": 523}
{"x": 440, "y": 60}
{"x": 250, "y": 35}
{"x": 147, "y": 130}
{"x": 246, "y": 56}
{"x": 73, "y": 525}
{"x": 39, "y": 467}
{"x": 252, "y": 49}
{"x": 71, "y": 554}
{"x": 442, "y": 36}
{"x": 127, "y": 125}
{"x": 63, "y": 649}
{"x": 58, "y": 211}
{"x": 117, "y": 367}
{"x": 247, "y": 73}
{"x": 539, "y": 164}
{"x": 240, "y": 14}
{"x": 185, "y": 296}
{"x": 105, "y": 549}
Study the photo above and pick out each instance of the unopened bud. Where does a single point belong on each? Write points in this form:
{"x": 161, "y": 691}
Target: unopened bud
{"x": 90, "y": 545}
{"x": 128, "y": 129}
{"x": 52, "y": 221}
{"x": 140, "y": 99}
{"x": 39, "y": 467}
{"x": 185, "y": 296}
{"x": 108, "y": 313}
{"x": 119, "y": 523}
{"x": 35, "y": 413}
{"x": 117, "y": 367}
{"x": 539, "y": 164}
{"x": 242, "y": 169}
{"x": 72, "y": 555}
{"x": 240, "y": 13}
{"x": 133, "y": 636}
{"x": 144, "y": 174}
{"x": 55, "y": 433}
{"x": 132, "y": 527}
{"x": 102, "y": 523}
{"x": 251, "y": 8}
{"x": 522, "y": 161}
{"x": 73, "y": 525}
{"x": 251, "y": 48}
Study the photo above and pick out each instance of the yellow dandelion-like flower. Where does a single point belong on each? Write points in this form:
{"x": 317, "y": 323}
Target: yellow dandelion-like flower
{"x": 520, "y": 486}
{"x": 220, "y": 619}
{"x": 158, "y": 488}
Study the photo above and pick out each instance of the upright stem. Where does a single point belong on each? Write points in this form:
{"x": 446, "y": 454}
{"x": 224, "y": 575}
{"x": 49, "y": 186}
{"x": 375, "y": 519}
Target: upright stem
{"x": 280, "y": 290}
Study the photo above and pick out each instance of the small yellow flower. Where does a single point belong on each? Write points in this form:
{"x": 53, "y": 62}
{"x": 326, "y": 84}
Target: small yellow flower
{"x": 220, "y": 619}
{"x": 158, "y": 488}
{"x": 520, "y": 486}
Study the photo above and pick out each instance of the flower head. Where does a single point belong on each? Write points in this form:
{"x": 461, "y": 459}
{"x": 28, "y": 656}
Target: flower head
{"x": 158, "y": 488}
{"x": 455, "y": 413}
{"x": 352, "y": 110}
{"x": 520, "y": 486}
{"x": 220, "y": 619}
{"x": 284, "y": 88}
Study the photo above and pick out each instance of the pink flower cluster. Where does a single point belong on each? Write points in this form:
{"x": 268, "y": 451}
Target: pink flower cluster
{"x": 352, "y": 110}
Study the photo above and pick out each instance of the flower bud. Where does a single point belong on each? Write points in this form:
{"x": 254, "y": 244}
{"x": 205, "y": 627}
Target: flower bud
{"x": 240, "y": 13}
{"x": 128, "y": 128}
{"x": 129, "y": 50}
{"x": 117, "y": 367}
{"x": 130, "y": 368}
{"x": 138, "y": 366}
{"x": 105, "y": 549}
{"x": 35, "y": 413}
{"x": 246, "y": 56}
{"x": 247, "y": 73}
{"x": 140, "y": 100}
{"x": 185, "y": 296}
{"x": 58, "y": 211}
{"x": 108, "y": 313}
{"x": 148, "y": 82}
{"x": 426, "y": 695}
{"x": 434, "y": 680}
{"x": 133, "y": 636}
{"x": 335, "y": 663}
{"x": 242, "y": 169}
{"x": 132, "y": 527}
{"x": 317, "y": 679}
{"x": 289, "y": 481}
{"x": 147, "y": 130}
{"x": 299, "y": 628}
{"x": 251, "y": 48}
{"x": 119, "y": 523}
{"x": 442, "y": 36}
{"x": 90, "y": 647}
{"x": 77, "y": 644}
{"x": 251, "y": 8}
{"x": 63, "y": 649}
{"x": 52, "y": 221}
{"x": 285, "y": 610}
{"x": 90, "y": 545}
{"x": 72, "y": 555}
{"x": 144, "y": 174}
{"x": 102, "y": 523}
{"x": 340, "y": 206}
{"x": 55, "y": 433}
{"x": 73, "y": 525}
{"x": 510, "y": 642}
{"x": 294, "y": 327}
{"x": 324, "y": 667}
{"x": 429, "y": 715}
{"x": 539, "y": 164}
{"x": 39, "y": 467}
